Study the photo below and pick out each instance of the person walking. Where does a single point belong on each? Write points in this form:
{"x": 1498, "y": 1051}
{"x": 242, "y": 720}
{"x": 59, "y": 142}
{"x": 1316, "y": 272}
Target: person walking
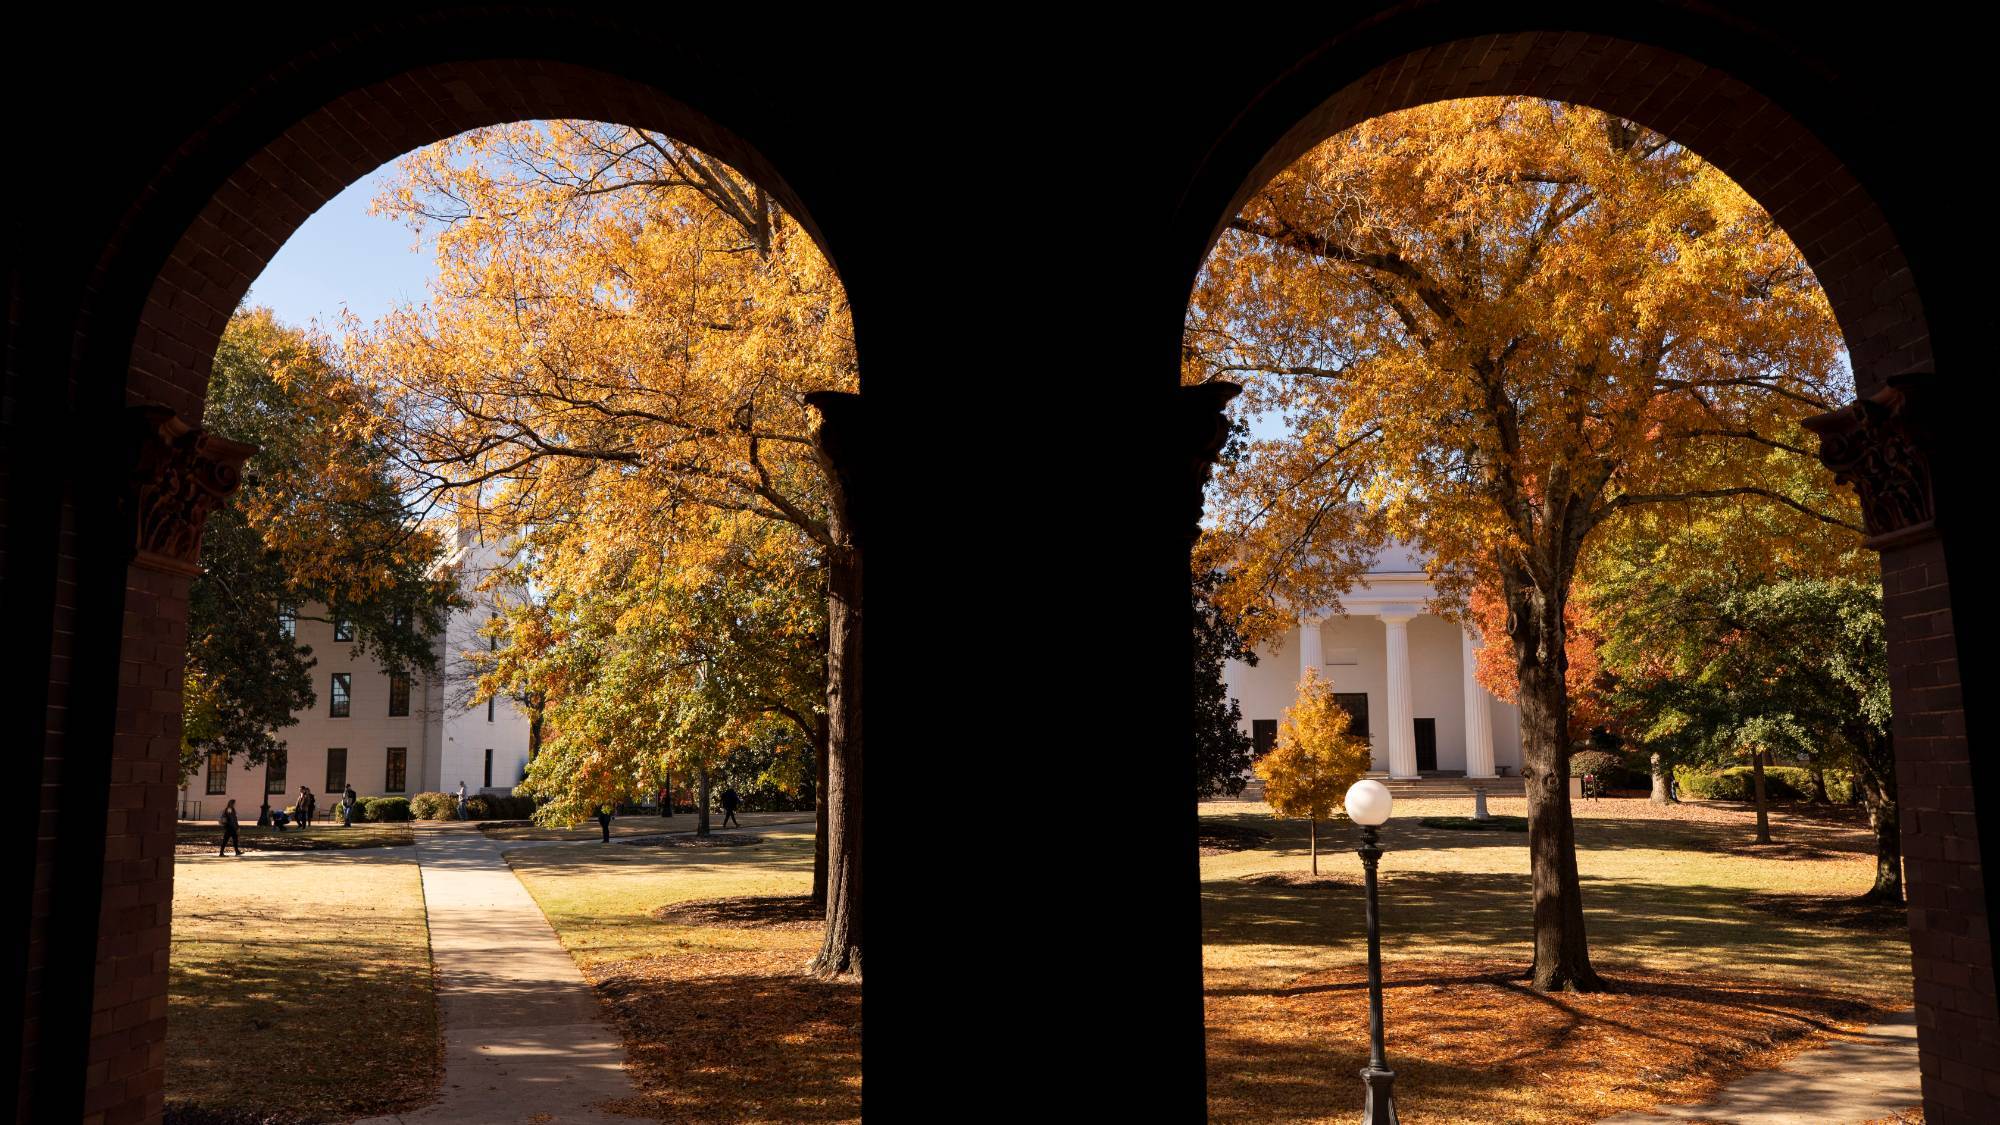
{"x": 729, "y": 802}
{"x": 604, "y": 821}
{"x": 304, "y": 807}
{"x": 229, "y": 830}
{"x": 347, "y": 807}
{"x": 461, "y": 799}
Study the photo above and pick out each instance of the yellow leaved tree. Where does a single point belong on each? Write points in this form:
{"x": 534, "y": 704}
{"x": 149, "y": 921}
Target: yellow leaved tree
{"x": 1315, "y": 760}
{"x": 1502, "y": 330}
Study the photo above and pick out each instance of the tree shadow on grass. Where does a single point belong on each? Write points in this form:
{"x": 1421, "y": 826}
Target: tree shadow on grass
{"x": 1627, "y": 919}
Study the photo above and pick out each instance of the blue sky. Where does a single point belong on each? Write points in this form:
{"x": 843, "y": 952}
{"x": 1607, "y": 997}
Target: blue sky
{"x": 343, "y": 257}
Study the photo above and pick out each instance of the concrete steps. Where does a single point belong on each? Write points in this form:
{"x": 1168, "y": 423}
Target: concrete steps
{"x": 1432, "y": 786}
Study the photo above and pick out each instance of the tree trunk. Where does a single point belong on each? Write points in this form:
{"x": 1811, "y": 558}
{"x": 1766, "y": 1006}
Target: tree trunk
{"x": 700, "y": 799}
{"x": 1312, "y": 836}
{"x": 819, "y": 813}
{"x": 1876, "y": 779}
{"x": 1663, "y": 793}
{"x": 1535, "y": 625}
{"x": 1763, "y": 813}
{"x": 1819, "y": 796}
{"x": 840, "y": 948}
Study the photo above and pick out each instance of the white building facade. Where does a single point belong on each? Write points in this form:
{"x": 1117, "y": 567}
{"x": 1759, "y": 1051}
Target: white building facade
{"x": 1404, "y": 674}
{"x": 387, "y": 735}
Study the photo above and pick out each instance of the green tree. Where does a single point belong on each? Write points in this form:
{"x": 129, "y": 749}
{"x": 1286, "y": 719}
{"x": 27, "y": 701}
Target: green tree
{"x": 320, "y": 519}
{"x": 1221, "y": 749}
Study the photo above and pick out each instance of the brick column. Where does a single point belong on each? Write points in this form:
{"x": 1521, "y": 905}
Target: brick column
{"x": 177, "y": 474}
{"x": 1882, "y": 446}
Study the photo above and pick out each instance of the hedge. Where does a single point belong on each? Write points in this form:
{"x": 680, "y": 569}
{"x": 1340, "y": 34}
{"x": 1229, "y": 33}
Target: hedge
{"x": 1781, "y": 783}
{"x": 383, "y": 810}
{"x": 432, "y": 806}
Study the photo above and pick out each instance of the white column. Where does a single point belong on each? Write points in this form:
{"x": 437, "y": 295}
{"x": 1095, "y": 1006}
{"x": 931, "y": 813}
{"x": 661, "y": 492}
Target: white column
{"x": 1478, "y": 716}
{"x": 1402, "y": 724}
{"x": 1311, "y": 657}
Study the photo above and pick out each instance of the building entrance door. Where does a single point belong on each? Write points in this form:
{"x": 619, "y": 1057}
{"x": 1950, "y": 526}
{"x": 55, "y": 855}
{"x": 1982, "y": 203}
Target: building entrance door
{"x": 1427, "y": 744}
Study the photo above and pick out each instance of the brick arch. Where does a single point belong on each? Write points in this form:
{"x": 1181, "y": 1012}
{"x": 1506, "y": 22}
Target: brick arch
{"x": 251, "y": 213}
{"x": 1818, "y": 201}
{"x": 1896, "y": 442}
{"x": 181, "y": 255}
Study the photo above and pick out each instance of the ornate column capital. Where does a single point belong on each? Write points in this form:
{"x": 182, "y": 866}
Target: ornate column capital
{"x": 179, "y": 474}
{"x": 1201, "y": 428}
{"x": 1877, "y": 445}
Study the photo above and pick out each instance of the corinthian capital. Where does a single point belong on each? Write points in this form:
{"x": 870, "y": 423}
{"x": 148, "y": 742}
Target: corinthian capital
{"x": 1876, "y": 444}
{"x": 1202, "y": 428}
{"x": 180, "y": 473}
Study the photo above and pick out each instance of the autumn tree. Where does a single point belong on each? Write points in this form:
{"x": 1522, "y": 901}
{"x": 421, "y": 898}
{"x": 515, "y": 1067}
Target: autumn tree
{"x": 1307, "y": 773}
{"x": 320, "y": 518}
{"x": 1493, "y": 328}
{"x": 625, "y": 333}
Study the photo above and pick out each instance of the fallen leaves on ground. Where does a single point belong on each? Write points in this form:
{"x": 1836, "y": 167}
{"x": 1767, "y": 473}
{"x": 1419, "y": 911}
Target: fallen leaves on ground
{"x": 757, "y": 911}
{"x": 713, "y": 840}
{"x": 206, "y": 839}
{"x": 1218, "y": 837}
{"x": 736, "y": 1036}
{"x": 1469, "y": 1041}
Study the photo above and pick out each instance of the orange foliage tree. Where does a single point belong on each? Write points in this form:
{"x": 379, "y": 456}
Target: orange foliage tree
{"x": 1496, "y": 328}
{"x": 621, "y": 346}
{"x": 1315, "y": 759}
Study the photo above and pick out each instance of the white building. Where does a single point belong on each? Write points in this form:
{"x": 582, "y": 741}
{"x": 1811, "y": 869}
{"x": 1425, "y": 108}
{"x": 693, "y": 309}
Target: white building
{"x": 385, "y": 735}
{"x": 1404, "y": 674}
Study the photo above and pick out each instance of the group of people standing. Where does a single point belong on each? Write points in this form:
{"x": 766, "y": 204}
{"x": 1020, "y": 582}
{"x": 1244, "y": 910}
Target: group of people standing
{"x": 302, "y": 812}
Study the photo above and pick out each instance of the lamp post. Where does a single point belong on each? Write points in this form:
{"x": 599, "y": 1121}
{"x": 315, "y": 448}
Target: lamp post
{"x": 1368, "y": 806}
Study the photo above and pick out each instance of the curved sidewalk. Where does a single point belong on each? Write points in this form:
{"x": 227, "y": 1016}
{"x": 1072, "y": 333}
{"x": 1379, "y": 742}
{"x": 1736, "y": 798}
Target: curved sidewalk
{"x": 525, "y": 1040}
{"x": 1867, "y": 1078}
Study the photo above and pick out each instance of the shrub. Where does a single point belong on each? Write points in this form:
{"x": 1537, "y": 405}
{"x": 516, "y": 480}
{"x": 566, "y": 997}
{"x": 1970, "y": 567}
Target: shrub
{"x": 432, "y": 806}
{"x": 383, "y": 810}
{"x": 1739, "y": 783}
{"x": 1599, "y": 762}
{"x": 479, "y": 806}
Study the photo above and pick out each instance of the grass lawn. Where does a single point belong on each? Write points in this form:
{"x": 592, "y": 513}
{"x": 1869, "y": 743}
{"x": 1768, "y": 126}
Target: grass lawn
{"x": 196, "y": 837}
{"x": 696, "y": 952}
{"x": 636, "y": 826}
{"x": 301, "y": 985}
{"x": 1726, "y": 957}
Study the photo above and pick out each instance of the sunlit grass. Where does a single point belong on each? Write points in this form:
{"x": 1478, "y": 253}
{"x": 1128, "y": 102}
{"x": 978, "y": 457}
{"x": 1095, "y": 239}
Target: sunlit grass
{"x": 301, "y": 985}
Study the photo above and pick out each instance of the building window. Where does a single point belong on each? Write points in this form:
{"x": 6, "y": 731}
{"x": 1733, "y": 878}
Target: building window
{"x": 1355, "y": 703}
{"x": 218, "y": 774}
{"x": 399, "y": 694}
{"x": 489, "y": 707}
{"x": 343, "y": 691}
{"x": 288, "y": 621}
{"x": 489, "y": 769}
{"x": 343, "y": 628}
{"x": 1263, "y": 736}
{"x": 274, "y": 774}
{"x": 336, "y": 769}
{"x": 399, "y": 760}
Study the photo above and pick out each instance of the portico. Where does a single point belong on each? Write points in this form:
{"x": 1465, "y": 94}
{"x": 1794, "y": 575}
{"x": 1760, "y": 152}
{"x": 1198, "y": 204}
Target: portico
{"x": 1404, "y": 674}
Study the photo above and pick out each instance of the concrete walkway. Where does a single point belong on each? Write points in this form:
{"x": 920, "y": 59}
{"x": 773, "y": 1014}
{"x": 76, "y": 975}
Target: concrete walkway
{"x": 1858, "y": 1080}
{"x": 524, "y": 1038}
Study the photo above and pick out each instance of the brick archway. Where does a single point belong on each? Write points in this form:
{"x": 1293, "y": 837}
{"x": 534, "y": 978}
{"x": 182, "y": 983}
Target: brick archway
{"x": 104, "y": 887}
{"x": 1889, "y": 445}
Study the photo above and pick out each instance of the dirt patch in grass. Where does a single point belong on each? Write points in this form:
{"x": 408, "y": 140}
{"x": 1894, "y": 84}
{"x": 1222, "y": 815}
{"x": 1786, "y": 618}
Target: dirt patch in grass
{"x": 763, "y": 912}
{"x": 1848, "y": 913}
{"x": 1301, "y": 879}
{"x": 714, "y": 840}
{"x": 1470, "y": 1042}
{"x": 206, "y": 839}
{"x": 1474, "y": 824}
{"x": 735, "y": 1036}
{"x": 1221, "y": 837}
